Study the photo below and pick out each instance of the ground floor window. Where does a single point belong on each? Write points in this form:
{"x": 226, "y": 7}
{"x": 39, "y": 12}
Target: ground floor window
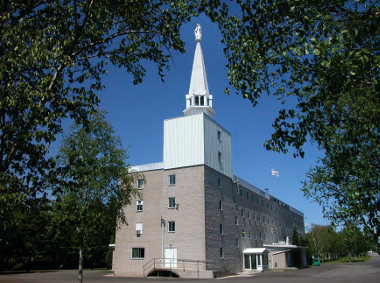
{"x": 138, "y": 253}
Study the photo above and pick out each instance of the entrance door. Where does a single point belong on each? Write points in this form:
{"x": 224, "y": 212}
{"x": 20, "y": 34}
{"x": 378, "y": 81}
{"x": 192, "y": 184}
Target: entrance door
{"x": 253, "y": 261}
{"x": 250, "y": 261}
{"x": 247, "y": 261}
{"x": 170, "y": 257}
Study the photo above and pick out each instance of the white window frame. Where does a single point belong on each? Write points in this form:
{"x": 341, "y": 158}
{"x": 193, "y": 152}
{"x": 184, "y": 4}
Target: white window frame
{"x": 140, "y": 184}
{"x": 169, "y": 228}
{"x": 139, "y": 228}
{"x": 139, "y": 249}
{"x": 139, "y": 203}
{"x": 171, "y": 205}
{"x": 172, "y": 180}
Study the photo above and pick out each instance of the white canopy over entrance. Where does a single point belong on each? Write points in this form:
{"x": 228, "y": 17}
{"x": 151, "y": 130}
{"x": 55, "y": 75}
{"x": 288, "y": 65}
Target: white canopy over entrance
{"x": 255, "y": 258}
{"x": 254, "y": 251}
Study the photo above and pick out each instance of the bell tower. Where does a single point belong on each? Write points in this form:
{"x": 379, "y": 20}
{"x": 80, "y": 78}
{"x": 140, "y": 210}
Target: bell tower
{"x": 199, "y": 99}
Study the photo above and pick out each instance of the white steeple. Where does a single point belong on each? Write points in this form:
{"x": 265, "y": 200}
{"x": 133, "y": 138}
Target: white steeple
{"x": 198, "y": 99}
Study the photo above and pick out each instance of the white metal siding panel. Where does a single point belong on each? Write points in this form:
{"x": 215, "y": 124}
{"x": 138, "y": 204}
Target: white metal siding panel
{"x": 213, "y": 146}
{"x": 183, "y": 141}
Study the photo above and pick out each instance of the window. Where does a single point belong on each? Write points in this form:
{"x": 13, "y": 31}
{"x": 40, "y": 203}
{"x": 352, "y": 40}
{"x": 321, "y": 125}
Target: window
{"x": 171, "y": 226}
{"x": 197, "y": 100}
{"x": 219, "y": 183}
{"x": 219, "y": 136}
{"x": 139, "y": 229}
{"x": 236, "y": 220}
{"x": 220, "y": 205}
{"x": 139, "y": 205}
{"x": 140, "y": 183}
{"x": 221, "y": 253}
{"x": 172, "y": 180}
{"x": 242, "y": 233}
{"x": 220, "y": 157}
{"x": 235, "y": 199}
{"x": 202, "y": 100}
{"x": 242, "y": 212}
{"x": 138, "y": 253}
{"x": 247, "y": 195}
{"x": 237, "y": 242}
{"x": 220, "y": 229}
{"x": 171, "y": 203}
{"x": 241, "y": 192}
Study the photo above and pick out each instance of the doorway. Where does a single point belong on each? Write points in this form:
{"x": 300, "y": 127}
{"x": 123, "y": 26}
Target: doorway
{"x": 170, "y": 257}
{"x": 250, "y": 261}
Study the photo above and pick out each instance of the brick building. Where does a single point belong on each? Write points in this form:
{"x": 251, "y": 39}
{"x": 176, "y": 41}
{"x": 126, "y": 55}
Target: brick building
{"x": 195, "y": 217}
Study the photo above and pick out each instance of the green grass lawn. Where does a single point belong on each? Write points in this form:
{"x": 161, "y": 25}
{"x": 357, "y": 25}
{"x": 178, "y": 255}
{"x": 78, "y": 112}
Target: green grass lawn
{"x": 346, "y": 259}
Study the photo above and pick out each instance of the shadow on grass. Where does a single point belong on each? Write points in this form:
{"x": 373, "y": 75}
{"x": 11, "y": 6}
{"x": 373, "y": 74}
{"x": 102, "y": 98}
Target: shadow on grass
{"x": 7, "y": 272}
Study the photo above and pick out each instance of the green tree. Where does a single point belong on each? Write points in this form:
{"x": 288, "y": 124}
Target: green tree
{"x": 321, "y": 60}
{"x": 295, "y": 237}
{"x": 355, "y": 241}
{"x": 53, "y": 55}
{"x": 93, "y": 186}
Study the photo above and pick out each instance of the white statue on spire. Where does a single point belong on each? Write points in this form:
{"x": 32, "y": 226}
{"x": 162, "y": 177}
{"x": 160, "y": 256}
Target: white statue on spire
{"x": 198, "y": 33}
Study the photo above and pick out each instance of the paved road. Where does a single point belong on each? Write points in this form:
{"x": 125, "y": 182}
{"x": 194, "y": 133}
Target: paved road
{"x": 346, "y": 272}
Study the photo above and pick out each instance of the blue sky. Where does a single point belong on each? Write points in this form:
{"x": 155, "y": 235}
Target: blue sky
{"x": 137, "y": 114}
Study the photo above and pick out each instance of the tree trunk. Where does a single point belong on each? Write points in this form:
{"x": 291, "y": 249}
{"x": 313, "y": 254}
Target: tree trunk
{"x": 80, "y": 271}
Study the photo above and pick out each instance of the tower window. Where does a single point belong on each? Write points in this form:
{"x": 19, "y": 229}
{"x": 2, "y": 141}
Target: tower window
{"x": 220, "y": 229}
{"x": 171, "y": 226}
{"x": 139, "y": 229}
{"x": 140, "y": 183}
{"x": 139, "y": 205}
{"x": 197, "y": 100}
{"x": 172, "y": 180}
{"x": 202, "y": 100}
{"x": 221, "y": 253}
{"x": 220, "y": 157}
{"x": 220, "y": 205}
{"x": 236, "y": 220}
{"x": 219, "y": 136}
{"x": 171, "y": 203}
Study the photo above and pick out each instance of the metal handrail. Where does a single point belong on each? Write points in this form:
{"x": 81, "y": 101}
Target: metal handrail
{"x": 174, "y": 264}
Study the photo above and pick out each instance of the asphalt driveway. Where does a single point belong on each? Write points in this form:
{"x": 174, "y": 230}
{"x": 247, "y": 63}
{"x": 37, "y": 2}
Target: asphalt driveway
{"x": 333, "y": 272}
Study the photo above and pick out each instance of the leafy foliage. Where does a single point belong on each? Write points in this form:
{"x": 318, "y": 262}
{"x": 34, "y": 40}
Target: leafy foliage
{"x": 53, "y": 55}
{"x": 325, "y": 55}
{"x": 326, "y": 243}
{"x": 93, "y": 186}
